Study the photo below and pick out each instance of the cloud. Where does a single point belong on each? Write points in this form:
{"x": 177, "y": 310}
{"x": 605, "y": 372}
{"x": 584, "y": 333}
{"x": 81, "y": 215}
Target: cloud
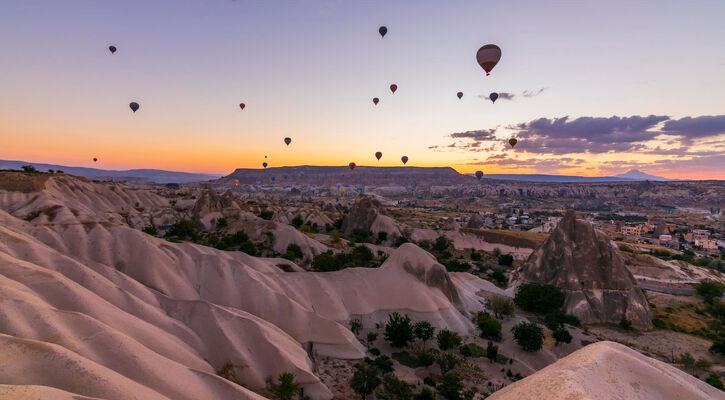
{"x": 533, "y": 93}
{"x": 505, "y": 96}
{"x": 694, "y": 128}
{"x": 478, "y": 135}
{"x": 512, "y": 96}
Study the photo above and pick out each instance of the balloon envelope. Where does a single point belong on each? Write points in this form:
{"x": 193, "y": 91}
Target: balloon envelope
{"x": 264, "y": 164}
{"x": 95, "y": 159}
{"x": 236, "y": 182}
{"x": 513, "y": 142}
{"x": 383, "y": 30}
{"x": 112, "y": 49}
{"x": 459, "y": 94}
{"x": 393, "y": 87}
{"x": 287, "y": 140}
{"x": 493, "y": 96}
{"x": 378, "y": 155}
{"x": 404, "y": 159}
{"x": 375, "y": 100}
{"x": 479, "y": 175}
{"x": 242, "y": 105}
{"x": 273, "y": 178}
{"x": 352, "y": 166}
{"x": 134, "y": 106}
{"x": 488, "y": 56}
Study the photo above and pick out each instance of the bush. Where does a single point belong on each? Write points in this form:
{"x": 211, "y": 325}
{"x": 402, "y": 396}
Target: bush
{"x": 248, "y": 247}
{"x": 476, "y": 256}
{"x": 506, "y": 260}
{"x": 718, "y": 346}
{"x": 361, "y": 256}
{"x": 382, "y": 236}
{"x": 472, "y": 350}
{"x": 442, "y": 243}
{"x": 500, "y": 305}
{"x": 710, "y": 290}
{"x": 489, "y": 326}
{"x": 539, "y": 298}
{"x": 393, "y": 388}
{"x": 384, "y": 363}
{"x": 424, "y": 358}
{"x": 183, "y": 229}
{"x": 448, "y": 339}
{"x": 423, "y": 330}
{"x": 365, "y": 379}
{"x": 297, "y": 221}
{"x": 562, "y": 335}
{"x": 715, "y": 381}
{"x": 372, "y": 337}
{"x": 374, "y": 351}
{"x": 355, "y": 326}
{"x": 529, "y": 336}
{"x": 429, "y": 381}
{"x": 456, "y": 266}
{"x": 398, "y": 330}
{"x": 28, "y": 168}
{"x": 151, "y": 230}
{"x": 266, "y": 214}
{"x": 446, "y": 361}
{"x": 425, "y": 393}
{"x": 362, "y": 236}
{"x": 222, "y": 223}
{"x": 658, "y": 323}
{"x": 492, "y": 352}
{"x": 556, "y": 319}
{"x": 451, "y": 386}
{"x": 293, "y": 252}
{"x": 499, "y": 278}
{"x": 625, "y": 324}
{"x": 287, "y": 388}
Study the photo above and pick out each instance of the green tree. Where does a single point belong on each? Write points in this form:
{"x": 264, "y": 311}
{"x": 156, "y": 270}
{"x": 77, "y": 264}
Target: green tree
{"x": 266, "y": 214}
{"x": 442, "y": 243}
{"x": 687, "y": 361}
{"x": 451, "y": 386}
{"x": 151, "y": 230}
{"x": 183, "y": 229}
{"x": 500, "y": 305}
{"x": 221, "y": 223}
{"x": 562, "y": 335}
{"x": 287, "y": 388}
{"x": 448, "y": 339}
{"x": 539, "y": 298}
{"x": 294, "y": 252}
{"x": 355, "y": 326}
{"x": 506, "y": 260}
{"x": 491, "y": 352}
{"x": 625, "y": 324}
{"x": 529, "y": 336}
{"x": 394, "y": 389}
{"x": 499, "y": 278}
{"x": 399, "y": 330}
{"x": 446, "y": 361}
{"x": 365, "y": 379}
{"x": 383, "y": 363}
{"x": 297, "y": 221}
{"x": 715, "y": 381}
{"x": 28, "y": 168}
{"x": 424, "y": 331}
{"x": 710, "y": 290}
{"x": 718, "y": 346}
{"x": 425, "y": 394}
{"x": 490, "y": 327}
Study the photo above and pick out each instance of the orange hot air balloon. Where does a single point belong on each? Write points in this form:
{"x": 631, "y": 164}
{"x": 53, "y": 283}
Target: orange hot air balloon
{"x": 378, "y": 155}
{"x": 513, "y": 142}
{"x": 488, "y": 56}
{"x": 393, "y": 87}
{"x": 459, "y": 94}
{"x": 404, "y": 159}
{"x": 375, "y": 100}
{"x": 352, "y": 166}
{"x": 236, "y": 182}
{"x": 242, "y": 105}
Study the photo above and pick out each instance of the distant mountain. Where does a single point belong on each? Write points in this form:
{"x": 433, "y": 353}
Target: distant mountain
{"x": 132, "y": 175}
{"x": 641, "y": 176}
{"x": 557, "y": 178}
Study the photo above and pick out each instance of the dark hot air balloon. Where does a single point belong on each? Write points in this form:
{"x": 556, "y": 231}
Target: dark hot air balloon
{"x": 393, "y": 87}
{"x": 404, "y": 159}
{"x": 287, "y": 140}
{"x": 479, "y": 175}
{"x": 95, "y": 159}
{"x": 242, "y": 105}
{"x": 352, "y": 166}
{"x": 264, "y": 164}
{"x": 513, "y": 142}
{"x": 383, "y": 30}
{"x": 112, "y": 49}
{"x": 273, "y": 178}
{"x": 488, "y": 56}
{"x": 378, "y": 155}
{"x": 459, "y": 94}
{"x": 134, "y": 106}
{"x": 375, "y": 100}
{"x": 493, "y": 96}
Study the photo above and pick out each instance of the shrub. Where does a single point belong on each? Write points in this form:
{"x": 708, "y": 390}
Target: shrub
{"x": 710, "y": 290}
{"x": 183, "y": 229}
{"x": 506, "y": 260}
{"x": 151, "y": 230}
{"x": 365, "y": 379}
{"x": 361, "y": 256}
{"x": 28, "y": 168}
{"x": 500, "y": 305}
{"x": 687, "y": 361}
{"x": 446, "y": 361}
{"x": 398, "y": 330}
{"x": 384, "y": 363}
{"x": 293, "y": 252}
{"x": 423, "y": 330}
{"x": 393, "y": 388}
{"x": 442, "y": 243}
{"x": 248, "y": 247}
{"x": 266, "y": 214}
{"x": 297, "y": 221}
{"x": 539, "y": 298}
{"x": 287, "y": 388}
{"x": 715, "y": 381}
{"x": 222, "y": 223}
{"x": 425, "y": 394}
{"x": 658, "y": 323}
{"x": 625, "y": 324}
{"x": 456, "y": 266}
{"x": 448, "y": 339}
{"x": 556, "y": 319}
{"x": 355, "y": 326}
{"x": 472, "y": 350}
{"x": 382, "y": 236}
{"x": 499, "y": 278}
{"x": 562, "y": 335}
{"x": 429, "y": 381}
{"x": 362, "y": 236}
{"x": 451, "y": 386}
{"x": 529, "y": 336}
{"x": 476, "y": 256}
{"x": 374, "y": 351}
{"x": 492, "y": 352}
{"x": 372, "y": 336}
{"x": 227, "y": 372}
{"x": 426, "y": 358}
{"x": 490, "y": 327}
{"x": 718, "y": 346}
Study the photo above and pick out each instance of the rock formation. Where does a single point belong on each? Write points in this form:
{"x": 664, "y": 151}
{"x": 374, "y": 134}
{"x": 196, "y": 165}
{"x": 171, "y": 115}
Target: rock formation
{"x": 367, "y": 215}
{"x": 587, "y": 266}
{"x": 210, "y": 206}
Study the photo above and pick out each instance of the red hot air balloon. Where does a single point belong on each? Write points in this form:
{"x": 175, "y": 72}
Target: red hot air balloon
{"x": 378, "y": 155}
{"x": 112, "y": 49}
{"x": 488, "y": 56}
{"x": 404, "y": 159}
{"x": 479, "y": 175}
{"x": 382, "y": 31}
{"x": 459, "y": 94}
{"x": 242, "y": 105}
{"x": 134, "y": 106}
{"x": 236, "y": 182}
{"x": 393, "y": 88}
{"x": 375, "y": 100}
{"x": 352, "y": 166}
{"x": 287, "y": 141}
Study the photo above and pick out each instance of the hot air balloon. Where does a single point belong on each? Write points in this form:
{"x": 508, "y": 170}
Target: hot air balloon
{"x": 493, "y": 96}
{"x": 404, "y": 159}
{"x": 479, "y": 175}
{"x": 375, "y": 100}
{"x": 112, "y": 49}
{"x": 383, "y": 30}
{"x": 378, "y": 155}
{"x": 273, "y": 178}
{"x": 264, "y": 164}
{"x": 393, "y": 87}
{"x": 459, "y": 94}
{"x": 134, "y": 106}
{"x": 338, "y": 185}
{"x": 488, "y": 56}
{"x": 352, "y": 166}
{"x": 265, "y": 156}
{"x": 342, "y": 191}
{"x": 513, "y": 142}
{"x": 258, "y": 181}
{"x": 242, "y": 105}
{"x": 287, "y": 140}
{"x": 236, "y": 182}
{"x": 95, "y": 159}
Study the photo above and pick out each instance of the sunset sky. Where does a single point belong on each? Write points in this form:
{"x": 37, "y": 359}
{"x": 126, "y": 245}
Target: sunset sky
{"x": 592, "y": 88}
